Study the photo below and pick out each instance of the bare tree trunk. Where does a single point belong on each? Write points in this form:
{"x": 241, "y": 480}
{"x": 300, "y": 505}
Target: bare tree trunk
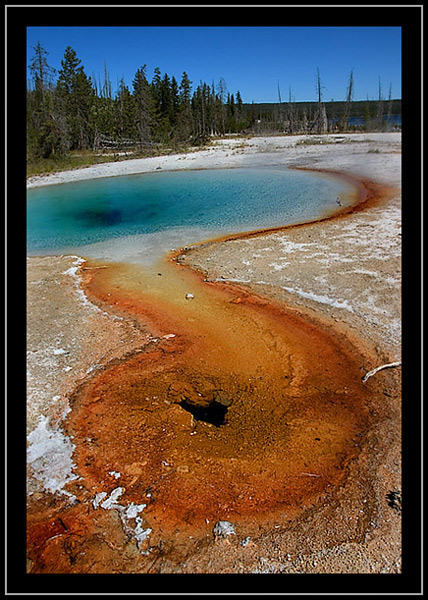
{"x": 280, "y": 115}
{"x": 222, "y": 89}
{"x": 322, "y": 123}
{"x": 291, "y": 113}
{"x": 389, "y": 124}
{"x": 379, "y": 115}
{"x": 349, "y": 96}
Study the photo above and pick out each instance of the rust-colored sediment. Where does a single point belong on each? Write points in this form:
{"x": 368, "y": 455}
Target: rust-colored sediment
{"x": 295, "y": 411}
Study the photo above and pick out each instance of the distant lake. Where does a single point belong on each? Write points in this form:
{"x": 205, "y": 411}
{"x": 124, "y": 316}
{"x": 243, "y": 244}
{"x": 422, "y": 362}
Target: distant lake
{"x": 66, "y": 217}
{"x": 359, "y": 121}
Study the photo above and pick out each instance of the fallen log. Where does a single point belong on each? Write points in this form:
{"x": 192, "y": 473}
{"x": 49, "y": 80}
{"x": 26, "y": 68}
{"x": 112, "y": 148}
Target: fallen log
{"x": 374, "y": 371}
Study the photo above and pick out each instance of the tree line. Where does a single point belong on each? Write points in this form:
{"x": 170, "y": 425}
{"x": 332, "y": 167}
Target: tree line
{"x": 76, "y": 112}
{"x": 382, "y": 114}
{"x": 68, "y": 110}
{"x": 302, "y": 117}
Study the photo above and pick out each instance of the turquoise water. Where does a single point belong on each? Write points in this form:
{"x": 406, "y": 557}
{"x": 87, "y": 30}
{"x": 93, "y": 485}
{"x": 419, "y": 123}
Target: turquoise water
{"x": 62, "y": 218}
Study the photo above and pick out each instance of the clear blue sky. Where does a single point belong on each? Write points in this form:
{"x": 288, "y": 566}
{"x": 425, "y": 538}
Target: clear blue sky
{"x": 253, "y": 60}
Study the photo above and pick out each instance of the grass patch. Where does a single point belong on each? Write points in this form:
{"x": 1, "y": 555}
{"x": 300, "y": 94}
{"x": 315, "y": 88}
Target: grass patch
{"x": 79, "y": 159}
{"x": 45, "y": 166}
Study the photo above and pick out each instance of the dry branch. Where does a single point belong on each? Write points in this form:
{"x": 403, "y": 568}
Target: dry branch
{"x": 387, "y": 366}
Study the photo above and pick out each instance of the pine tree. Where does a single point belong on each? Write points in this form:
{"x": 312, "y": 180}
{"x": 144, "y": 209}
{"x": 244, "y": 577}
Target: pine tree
{"x": 185, "y": 90}
{"x": 184, "y": 127}
{"x": 46, "y": 128}
{"x": 77, "y": 96}
{"x": 199, "y": 110}
{"x": 175, "y": 102}
{"x": 42, "y": 73}
{"x": 156, "y": 103}
{"x": 166, "y": 110}
{"x": 125, "y": 111}
{"x": 53, "y": 133}
{"x": 143, "y": 107}
{"x": 231, "y": 114}
{"x": 84, "y": 96}
{"x": 238, "y": 108}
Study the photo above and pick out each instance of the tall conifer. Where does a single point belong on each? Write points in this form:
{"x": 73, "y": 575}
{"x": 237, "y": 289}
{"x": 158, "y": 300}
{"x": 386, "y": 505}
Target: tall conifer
{"x": 143, "y": 107}
{"x": 77, "y": 95}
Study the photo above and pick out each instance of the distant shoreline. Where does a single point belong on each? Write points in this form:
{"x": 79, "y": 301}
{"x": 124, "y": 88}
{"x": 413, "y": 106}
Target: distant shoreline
{"x": 227, "y": 152}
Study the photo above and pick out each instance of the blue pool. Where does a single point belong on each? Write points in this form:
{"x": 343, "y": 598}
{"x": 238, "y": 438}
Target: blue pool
{"x": 68, "y": 217}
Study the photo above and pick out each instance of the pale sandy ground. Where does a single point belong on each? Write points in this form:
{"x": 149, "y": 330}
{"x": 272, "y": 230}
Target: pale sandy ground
{"x": 347, "y": 271}
{"x": 237, "y": 151}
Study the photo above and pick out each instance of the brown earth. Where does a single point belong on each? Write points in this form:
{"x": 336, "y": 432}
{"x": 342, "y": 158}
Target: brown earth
{"x": 305, "y": 467}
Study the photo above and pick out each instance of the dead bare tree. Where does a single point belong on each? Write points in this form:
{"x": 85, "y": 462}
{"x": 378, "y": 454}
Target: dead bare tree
{"x": 321, "y": 118}
{"x": 280, "y": 115}
{"x": 379, "y": 113}
{"x": 319, "y": 87}
{"x": 291, "y": 113}
{"x": 222, "y": 91}
{"x": 349, "y": 96}
{"x": 388, "y": 120}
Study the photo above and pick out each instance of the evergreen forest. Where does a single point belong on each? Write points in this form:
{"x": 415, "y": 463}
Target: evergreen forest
{"x": 71, "y": 114}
